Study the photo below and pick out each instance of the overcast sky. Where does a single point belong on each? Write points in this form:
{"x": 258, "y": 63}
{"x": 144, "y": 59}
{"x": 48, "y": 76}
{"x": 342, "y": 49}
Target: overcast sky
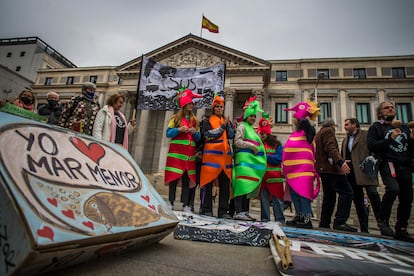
{"x": 101, "y": 32}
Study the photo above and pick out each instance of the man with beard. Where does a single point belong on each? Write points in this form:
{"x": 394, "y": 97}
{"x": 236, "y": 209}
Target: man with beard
{"x": 393, "y": 146}
{"x": 354, "y": 150}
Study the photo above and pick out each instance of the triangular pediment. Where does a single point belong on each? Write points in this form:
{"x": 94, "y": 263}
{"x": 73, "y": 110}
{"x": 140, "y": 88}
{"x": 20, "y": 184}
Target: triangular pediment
{"x": 194, "y": 51}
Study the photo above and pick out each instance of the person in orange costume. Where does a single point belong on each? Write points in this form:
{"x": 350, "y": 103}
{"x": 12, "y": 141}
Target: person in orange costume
{"x": 184, "y": 131}
{"x": 216, "y": 165}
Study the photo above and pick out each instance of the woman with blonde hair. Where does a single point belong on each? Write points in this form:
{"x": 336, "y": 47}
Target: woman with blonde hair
{"x": 110, "y": 124}
{"x": 184, "y": 131}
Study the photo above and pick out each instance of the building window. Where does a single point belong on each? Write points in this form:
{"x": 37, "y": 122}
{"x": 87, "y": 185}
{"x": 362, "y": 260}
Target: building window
{"x": 360, "y": 73}
{"x": 69, "y": 80}
{"x": 398, "y": 73}
{"x": 18, "y": 68}
{"x": 281, "y": 75}
{"x": 404, "y": 112}
{"x": 325, "y": 112}
{"x": 120, "y": 81}
{"x": 9, "y": 54}
{"x": 22, "y": 53}
{"x": 281, "y": 114}
{"x": 93, "y": 79}
{"x": 48, "y": 81}
{"x": 363, "y": 113}
{"x": 323, "y": 72}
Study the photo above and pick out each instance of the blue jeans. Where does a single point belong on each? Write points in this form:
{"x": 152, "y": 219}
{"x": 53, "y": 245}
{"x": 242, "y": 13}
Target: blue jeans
{"x": 277, "y": 205}
{"x": 303, "y": 205}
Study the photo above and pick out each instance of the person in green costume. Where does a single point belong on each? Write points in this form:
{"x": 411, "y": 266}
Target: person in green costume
{"x": 249, "y": 162}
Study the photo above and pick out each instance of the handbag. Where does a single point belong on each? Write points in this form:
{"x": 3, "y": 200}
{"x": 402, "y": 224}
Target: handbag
{"x": 369, "y": 166}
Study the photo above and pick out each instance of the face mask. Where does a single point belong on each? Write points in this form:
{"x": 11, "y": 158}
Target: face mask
{"x": 90, "y": 95}
{"x": 26, "y": 100}
{"x": 389, "y": 118}
{"x": 52, "y": 102}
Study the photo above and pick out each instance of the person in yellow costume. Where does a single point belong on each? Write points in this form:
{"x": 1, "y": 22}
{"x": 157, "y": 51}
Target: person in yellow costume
{"x": 216, "y": 167}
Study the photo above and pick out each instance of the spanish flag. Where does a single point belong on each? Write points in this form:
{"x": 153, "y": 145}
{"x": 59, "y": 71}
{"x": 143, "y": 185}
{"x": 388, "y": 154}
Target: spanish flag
{"x": 207, "y": 24}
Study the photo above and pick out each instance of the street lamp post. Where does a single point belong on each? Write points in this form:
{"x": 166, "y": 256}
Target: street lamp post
{"x": 320, "y": 76}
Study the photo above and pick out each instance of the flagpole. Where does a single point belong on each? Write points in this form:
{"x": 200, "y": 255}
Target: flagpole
{"x": 201, "y": 28}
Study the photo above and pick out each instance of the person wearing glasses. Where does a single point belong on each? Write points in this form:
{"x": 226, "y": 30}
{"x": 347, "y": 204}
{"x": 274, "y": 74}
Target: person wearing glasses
{"x": 393, "y": 146}
{"x": 216, "y": 166}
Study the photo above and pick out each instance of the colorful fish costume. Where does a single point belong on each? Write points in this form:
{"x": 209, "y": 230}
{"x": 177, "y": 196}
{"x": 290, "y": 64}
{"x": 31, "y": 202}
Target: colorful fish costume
{"x": 249, "y": 168}
{"x": 181, "y": 153}
{"x": 273, "y": 178}
{"x": 298, "y": 161}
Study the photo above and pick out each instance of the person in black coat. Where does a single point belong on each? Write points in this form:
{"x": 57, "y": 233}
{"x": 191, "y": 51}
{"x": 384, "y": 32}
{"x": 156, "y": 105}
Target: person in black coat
{"x": 393, "y": 146}
{"x": 52, "y": 109}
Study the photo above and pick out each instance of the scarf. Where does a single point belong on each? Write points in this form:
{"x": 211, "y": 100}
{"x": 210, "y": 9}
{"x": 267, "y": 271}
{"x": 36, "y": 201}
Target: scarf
{"x": 113, "y": 127}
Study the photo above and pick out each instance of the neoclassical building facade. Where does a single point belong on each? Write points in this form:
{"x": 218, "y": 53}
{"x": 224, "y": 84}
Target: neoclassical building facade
{"x": 343, "y": 87}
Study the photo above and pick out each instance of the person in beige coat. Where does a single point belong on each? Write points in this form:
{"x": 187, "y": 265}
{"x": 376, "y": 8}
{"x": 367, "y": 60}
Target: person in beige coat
{"x": 354, "y": 150}
{"x": 110, "y": 124}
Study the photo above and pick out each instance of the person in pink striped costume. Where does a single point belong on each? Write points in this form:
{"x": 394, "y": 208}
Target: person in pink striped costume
{"x": 298, "y": 163}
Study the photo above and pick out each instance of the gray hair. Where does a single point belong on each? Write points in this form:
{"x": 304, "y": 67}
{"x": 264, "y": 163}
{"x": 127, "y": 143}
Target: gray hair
{"x": 328, "y": 122}
{"x": 53, "y": 93}
{"x": 88, "y": 85}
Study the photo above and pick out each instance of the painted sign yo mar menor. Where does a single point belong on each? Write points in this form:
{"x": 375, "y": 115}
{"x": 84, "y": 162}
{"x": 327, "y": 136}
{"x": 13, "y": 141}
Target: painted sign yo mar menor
{"x": 61, "y": 191}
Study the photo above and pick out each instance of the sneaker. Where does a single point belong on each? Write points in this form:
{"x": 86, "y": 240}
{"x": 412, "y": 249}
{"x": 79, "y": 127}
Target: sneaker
{"x": 170, "y": 205}
{"x": 344, "y": 227}
{"x": 241, "y": 216}
{"x": 385, "y": 229}
{"x": 402, "y": 235}
{"x": 249, "y": 216}
{"x": 187, "y": 209}
{"x": 293, "y": 221}
{"x": 225, "y": 216}
{"x": 305, "y": 223}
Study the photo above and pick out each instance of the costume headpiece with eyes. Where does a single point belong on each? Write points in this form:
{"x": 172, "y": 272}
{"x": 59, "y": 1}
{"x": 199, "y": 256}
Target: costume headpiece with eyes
{"x": 305, "y": 109}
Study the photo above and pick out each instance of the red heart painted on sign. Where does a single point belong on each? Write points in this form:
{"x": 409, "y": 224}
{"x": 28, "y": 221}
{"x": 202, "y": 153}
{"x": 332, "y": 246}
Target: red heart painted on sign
{"x": 94, "y": 151}
{"x": 46, "y": 232}
{"x": 88, "y": 224}
{"x": 152, "y": 206}
{"x": 52, "y": 201}
{"x": 146, "y": 198}
{"x": 68, "y": 213}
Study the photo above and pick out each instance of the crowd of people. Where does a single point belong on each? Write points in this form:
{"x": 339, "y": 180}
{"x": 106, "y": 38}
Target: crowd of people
{"x": 242, "y": 162}
{"x": 82, "y": 113}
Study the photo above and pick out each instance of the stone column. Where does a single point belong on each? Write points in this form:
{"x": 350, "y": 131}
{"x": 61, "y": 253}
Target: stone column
{"x": 342, "y": 108}
{"x": 228, "y": 98}
{"x": 200, "y": 113}
{"x": 142, "y": 126}
{"x": 381, "y": 95}
{"x": 165, "y": 142}
{"x": 259, "y": 93}
{"x": 306, "y": 95}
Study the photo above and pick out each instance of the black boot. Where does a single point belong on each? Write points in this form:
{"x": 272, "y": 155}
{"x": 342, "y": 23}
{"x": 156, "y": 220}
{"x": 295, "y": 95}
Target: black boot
{"x": 305, "y": 222}
{"x": 402, "y": 235}
{"x": 385, "y": 228}
{"x": 293, "y": 221}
